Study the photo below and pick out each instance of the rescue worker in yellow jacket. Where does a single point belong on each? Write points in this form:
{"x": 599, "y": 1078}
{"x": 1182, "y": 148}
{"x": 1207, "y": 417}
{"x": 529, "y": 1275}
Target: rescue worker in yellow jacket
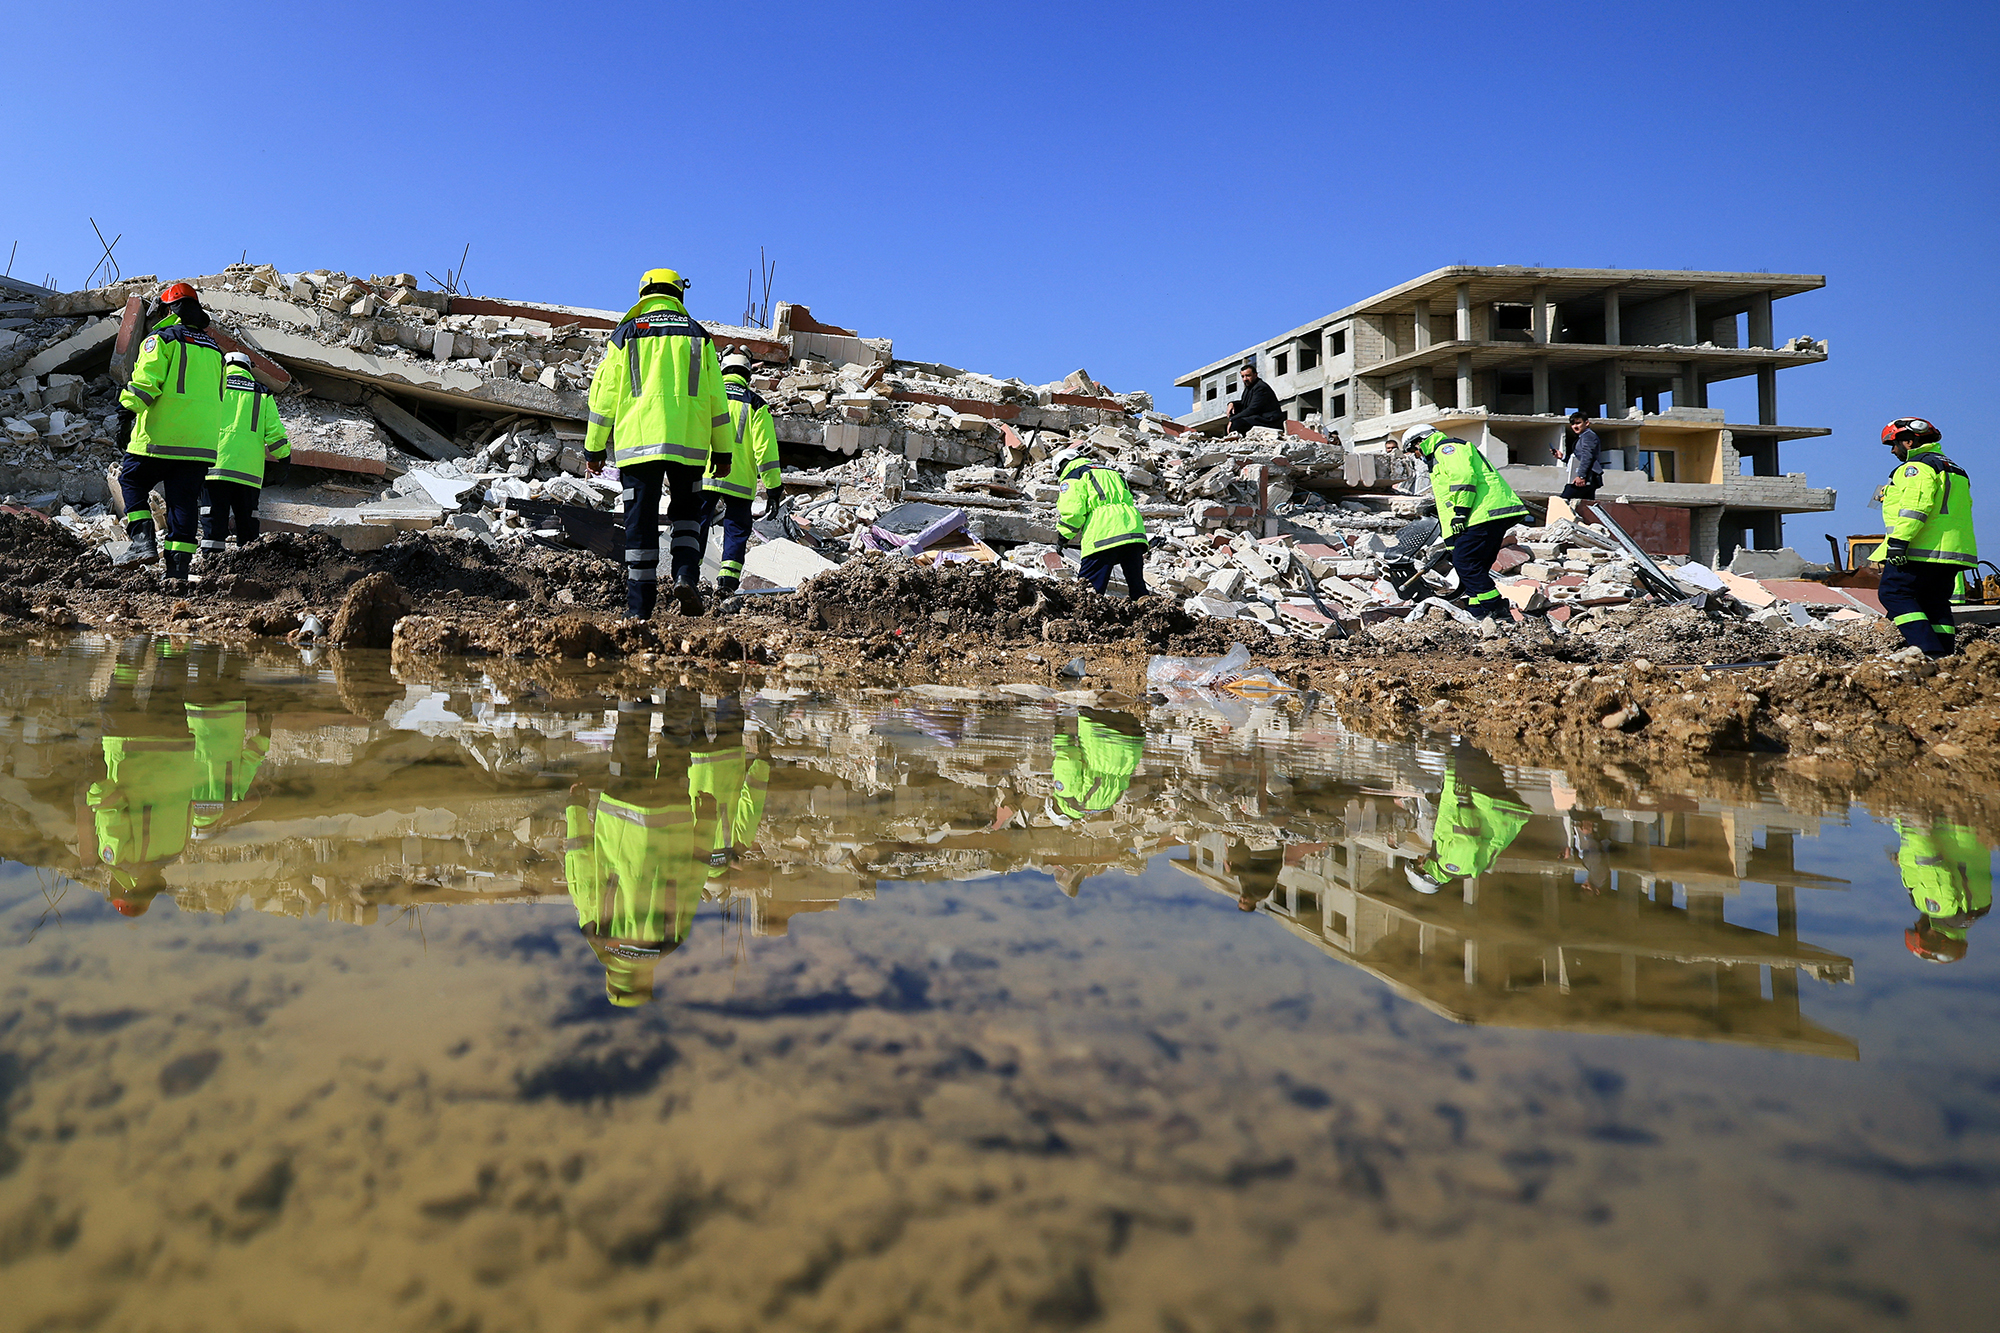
{"x": 635, "y": 865}
{"x": 171, "y": 419}
{"x": 1095, "y": 510}
{"x": 139, "y": 815}
{"x": 229, "y": 749}
{"x": 1927, "y": 514}
{"x": 1475, "y": 508}
{"x": 1478, "y": 817}
{"x": 735, "y": 474}
{"x": 657, "y": 410}
{"x": 1092, "y": 772}
{"x": 1949, "y": 873}
{"x": 250, "y": 450}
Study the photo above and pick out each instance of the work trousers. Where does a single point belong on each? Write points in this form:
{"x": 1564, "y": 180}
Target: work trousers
{"x": 1917, "y": 597}
{"x": 1131, "y": 557}
{"x": 230, "y": 503}
{"x": 179, "y": 481}
{"x": 733, "y": 512}
{"x": 644, "y": 484}
{"x": 1245, "y": 421}
{"x": 1472, "y": 556}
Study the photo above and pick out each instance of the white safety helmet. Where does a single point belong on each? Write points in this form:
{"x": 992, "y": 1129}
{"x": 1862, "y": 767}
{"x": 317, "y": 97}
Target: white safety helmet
{"x": 1421, "y": 883}
{"x": 237, "y": 359}
{"x": 1416, "y": 435}
{"x": 1066, "y": 457}
{"x": 736, "y": 362}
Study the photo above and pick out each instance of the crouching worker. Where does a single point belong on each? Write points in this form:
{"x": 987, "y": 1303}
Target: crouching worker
{"x": 251, "y": 450}
{"x": 1095, "y": 510}
{"x": 1475, "y": 506}
{"x": 733, "y": 476}
{"x": 175, "y": 398}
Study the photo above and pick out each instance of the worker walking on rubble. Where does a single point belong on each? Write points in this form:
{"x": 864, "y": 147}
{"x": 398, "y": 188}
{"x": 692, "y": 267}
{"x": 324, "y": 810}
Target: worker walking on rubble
{"x": 173, "y": 410}
{"x": 1095, "y": 510}
{"x": 734, "y": 474}
{"x": 1949, "y": 873}
{"x": 250, "y": 449}
{"x": 1927, "y": 513}
{"x": 658, "y": 409}
{"x": 137, "y": 819}
{"x": 1475, "y": 507}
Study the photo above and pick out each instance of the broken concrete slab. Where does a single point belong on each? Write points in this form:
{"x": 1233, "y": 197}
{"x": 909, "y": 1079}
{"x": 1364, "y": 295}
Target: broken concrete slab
{"x": 94, "y": 338}
{"x": 784, "y": 563}
{"x": 420, "y": 439}
{"x": 428, "y": 380}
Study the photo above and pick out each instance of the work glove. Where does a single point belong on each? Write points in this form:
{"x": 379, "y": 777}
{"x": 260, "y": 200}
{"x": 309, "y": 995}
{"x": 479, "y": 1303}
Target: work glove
{"x": 277, "y": 471}
{"x": 773, "y": 497}
{"x": 1896, "y": 552}
{"x": 1464, "y": 517}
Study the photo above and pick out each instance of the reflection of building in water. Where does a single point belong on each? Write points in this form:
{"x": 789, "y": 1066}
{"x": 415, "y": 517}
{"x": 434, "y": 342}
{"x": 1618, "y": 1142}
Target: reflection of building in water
{"x": 1525, "y": 944}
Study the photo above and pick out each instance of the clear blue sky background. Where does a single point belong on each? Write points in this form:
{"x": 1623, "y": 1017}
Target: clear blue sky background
{"x": 1025, "y": 188}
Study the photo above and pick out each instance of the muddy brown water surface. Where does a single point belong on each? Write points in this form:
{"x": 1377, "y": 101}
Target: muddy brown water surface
{"x": 341, "y": 991}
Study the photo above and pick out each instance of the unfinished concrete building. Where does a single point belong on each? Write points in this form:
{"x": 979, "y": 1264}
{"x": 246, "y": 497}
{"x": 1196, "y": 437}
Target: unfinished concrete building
{"x": 1501, "y": 354}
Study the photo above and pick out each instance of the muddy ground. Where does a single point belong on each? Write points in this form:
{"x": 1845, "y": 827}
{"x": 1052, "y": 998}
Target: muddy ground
{"x": 1662, "y": 688}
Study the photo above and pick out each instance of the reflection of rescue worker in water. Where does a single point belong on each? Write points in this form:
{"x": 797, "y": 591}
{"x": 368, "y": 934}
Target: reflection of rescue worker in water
{"x": 1478, "y": 817}
{"x": 1949, "y": 874}
{"x": 1091, "y": 773}
{"x": 180, "y": 759}
{"x": 637, "y": 862}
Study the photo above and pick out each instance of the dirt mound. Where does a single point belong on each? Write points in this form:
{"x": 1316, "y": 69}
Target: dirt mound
{"x": 368, "y": 617}
{"x": 429, "y": 564}
{"x": 34, "y": 550}
{"x": 292, "y": 566}
{"x": 883, "y": 594}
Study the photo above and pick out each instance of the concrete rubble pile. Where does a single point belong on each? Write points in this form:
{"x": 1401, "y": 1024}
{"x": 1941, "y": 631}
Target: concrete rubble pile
{"x": 412, "y": 410}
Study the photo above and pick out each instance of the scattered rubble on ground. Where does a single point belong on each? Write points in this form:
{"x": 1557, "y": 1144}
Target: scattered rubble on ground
{"x": 415, "y": 411}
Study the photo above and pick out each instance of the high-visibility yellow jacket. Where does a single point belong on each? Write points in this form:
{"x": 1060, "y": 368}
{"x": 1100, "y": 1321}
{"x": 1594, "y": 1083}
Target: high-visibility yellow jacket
{"x": 1095, "y": 508}
{"x": 1093, "y": 771}
{"x": 1469, "y": 490}
{"x": 227, "y": 758}
{"x": 176, "y": 392}
{"x": 658, "y": 395}
{"x": 631, "y": 870}
{"x": 141, "y": 809}
{"x": 1473, "y": 828}
{"x": 1928, "y": 503}
{"x": 752, "y": 457}
{"x": 252, "y": 432}
{"x": 1948, "y": 871}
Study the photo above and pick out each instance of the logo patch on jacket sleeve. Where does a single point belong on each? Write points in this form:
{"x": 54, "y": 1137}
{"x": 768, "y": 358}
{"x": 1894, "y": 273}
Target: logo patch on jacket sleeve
{"x": 1912, "y": 470}
{"x": 1064, "y": 490}
{"x": 152, "y": 343}
{"x": 1447, "y": 448}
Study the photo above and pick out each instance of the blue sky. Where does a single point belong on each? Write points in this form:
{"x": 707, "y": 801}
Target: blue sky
{"x": 1026, "y": 188}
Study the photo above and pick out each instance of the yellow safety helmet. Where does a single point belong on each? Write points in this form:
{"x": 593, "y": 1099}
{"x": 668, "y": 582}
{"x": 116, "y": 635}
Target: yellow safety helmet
{"x": 662, "y": 276}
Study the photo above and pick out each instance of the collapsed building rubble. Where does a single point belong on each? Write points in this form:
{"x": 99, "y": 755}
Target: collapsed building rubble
{"x": 413, "y": 410}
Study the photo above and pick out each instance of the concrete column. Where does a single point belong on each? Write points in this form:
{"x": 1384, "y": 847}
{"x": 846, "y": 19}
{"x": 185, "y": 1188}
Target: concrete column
{"x": 1464, "y": 371}
{"x": 1705, "y": 533}
{"x": 1464, "y": 329}
{"x": 1690, "y": 328}
{"x": 1612, "y": 335}
{"x": 1615, "y": 401}
{"x": 1472, "y": 962}
{"x": 1541, "y": 384}
{"x": 1538, "y": 316}
{"x": 1767, "y": 395}
{"x": 1760, "y": 320}
{"x": 1692, "y": 392}
{"x": 1423, "y": 318}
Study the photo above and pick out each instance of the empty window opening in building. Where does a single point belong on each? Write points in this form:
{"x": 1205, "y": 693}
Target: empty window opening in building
{"x": 1313, "y": 400}
{"x": 1402, "y": 397}
{"x": 1229, "y": 385}
{"x": 1281, "y": 363}
{"x": 1658, "y": 464}
{"x": 1513, "y": 323}
{"x": 1209, "y": 395}
{"x": 1339, "y": 405}
{"x": 1308, "y": 354}
{"x": 1336, "y": 343}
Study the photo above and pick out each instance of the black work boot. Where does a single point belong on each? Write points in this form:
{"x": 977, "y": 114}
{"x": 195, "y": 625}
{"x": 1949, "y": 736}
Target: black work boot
{"x": 639, "y": 598}
{"x": 689, "y": 597}
{"x": 726, "y": 586}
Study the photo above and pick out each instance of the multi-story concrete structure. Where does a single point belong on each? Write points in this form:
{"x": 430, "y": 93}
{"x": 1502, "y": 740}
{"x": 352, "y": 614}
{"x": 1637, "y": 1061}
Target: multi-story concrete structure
{"x": 1500, "y": 355}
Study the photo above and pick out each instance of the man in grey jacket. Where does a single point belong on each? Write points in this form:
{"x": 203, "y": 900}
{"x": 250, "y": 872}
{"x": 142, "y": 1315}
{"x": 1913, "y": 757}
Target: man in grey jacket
{"x": 1580, "y": 454}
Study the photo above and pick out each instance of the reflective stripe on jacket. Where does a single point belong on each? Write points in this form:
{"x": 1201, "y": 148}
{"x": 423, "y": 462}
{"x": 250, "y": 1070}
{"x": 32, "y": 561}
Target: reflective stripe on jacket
{"x": 1947, "y": 869}
{"x": 1462, "y": 479}
{"x": 143, "y": 805}
{"x": 176, "y": 392}
{"x": 1093, "y": 771}
{"x": 752, "y": 456}
{"x": 1095, "y": 508}
{"x": 658, "y": 396}
{"x": 252, "y": 431}
{"x": 1928, "y": 503}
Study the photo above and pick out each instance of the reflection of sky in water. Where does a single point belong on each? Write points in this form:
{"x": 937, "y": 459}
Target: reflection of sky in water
{"x": 895, "y": 1074}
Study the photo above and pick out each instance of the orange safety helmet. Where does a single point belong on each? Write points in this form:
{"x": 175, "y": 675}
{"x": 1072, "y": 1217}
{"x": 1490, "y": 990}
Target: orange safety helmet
{"x": 177, "y": 291}
{"x": 1933, "y": 946}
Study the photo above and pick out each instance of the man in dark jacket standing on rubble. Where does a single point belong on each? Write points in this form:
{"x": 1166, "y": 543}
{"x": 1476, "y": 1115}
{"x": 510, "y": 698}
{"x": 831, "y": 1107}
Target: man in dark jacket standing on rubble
{"x": 657, "y": 407}
{"x": 1583, "y": 464}
{"x": 1257, "y": 407}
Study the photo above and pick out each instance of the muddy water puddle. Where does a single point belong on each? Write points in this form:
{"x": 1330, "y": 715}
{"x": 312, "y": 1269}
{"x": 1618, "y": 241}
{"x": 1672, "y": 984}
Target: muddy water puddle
{"x": 335, "y": 998}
